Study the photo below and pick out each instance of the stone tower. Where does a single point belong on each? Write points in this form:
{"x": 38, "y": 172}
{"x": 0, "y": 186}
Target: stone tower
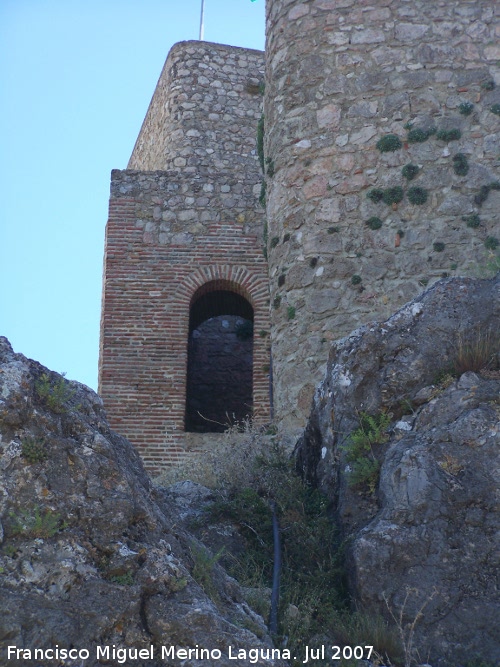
{"x": 184, "y": 245}
{"x": 382, "y": 131}
{"x": 382, "y": 138}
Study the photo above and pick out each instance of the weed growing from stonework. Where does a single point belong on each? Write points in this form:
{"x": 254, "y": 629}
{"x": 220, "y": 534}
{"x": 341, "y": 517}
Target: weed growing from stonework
{"x": 33, "y": 523}
{"x": 489, "y": 84}
{"x": 54, "y": 393}
{"x": 393, "y": 195}
{"x": 491, "y": 243}
{"x": 417, "y": 196}
{"x": 34, "y": 450}
{"x": 376, "y": 195}
{"x": 466, "y": 108}
{"x": 203, "y": 569}
{"x": 389, "y": 143}
{"x": 460, "y": 164}
{"x": 374, "y": 223}
{"x": 409, "y": 171}
{"x": 472, "y": 221}
{"x": 126, "y": 579}
{"x": 418, "y": 135}
{"x": 363, "y": 464}
{"x": 449, "y": 135}
{"x": 290, "y": 313}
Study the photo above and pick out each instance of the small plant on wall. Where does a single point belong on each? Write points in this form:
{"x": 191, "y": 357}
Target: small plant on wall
{"x": 374, "y": 223}
{"x": 376, "y": 195}
{"x": 466, "y": 108}
{"x": 417, "y": 196}
{"x": 393, "y": 195}
{"x": 389, "y": 143}
{"x": 460, "y": 164}
{"x": 409, "y": 171}
{"x": 418, "y": 135}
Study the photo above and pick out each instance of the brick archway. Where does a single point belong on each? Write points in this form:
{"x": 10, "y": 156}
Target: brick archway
{"x": 252, "y": 288}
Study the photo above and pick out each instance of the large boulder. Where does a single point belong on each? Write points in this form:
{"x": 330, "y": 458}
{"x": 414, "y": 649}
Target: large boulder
{"x": 422, "y": 539}
{"x": 90, "y": 553}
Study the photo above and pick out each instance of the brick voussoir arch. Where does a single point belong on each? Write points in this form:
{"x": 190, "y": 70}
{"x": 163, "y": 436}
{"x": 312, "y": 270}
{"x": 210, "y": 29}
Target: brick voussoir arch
{"x": 237, "y": 279}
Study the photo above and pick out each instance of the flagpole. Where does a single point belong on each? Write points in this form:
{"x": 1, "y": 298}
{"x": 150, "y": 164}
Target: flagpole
{"x": 201, "y": 19}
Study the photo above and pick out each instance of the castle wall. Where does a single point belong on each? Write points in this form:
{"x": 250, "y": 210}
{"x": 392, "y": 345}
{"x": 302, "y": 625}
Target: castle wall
{"x": 342, "y": 74}
{"x": 202, "y": 120}
{"x": 185, "y": 217}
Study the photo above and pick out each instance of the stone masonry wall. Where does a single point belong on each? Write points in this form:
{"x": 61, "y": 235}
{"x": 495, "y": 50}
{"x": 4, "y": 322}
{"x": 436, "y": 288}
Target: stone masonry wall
{"x": 341, "y": 75}
{"x": 202, "y": 121}
{"x": 185, "y": 218}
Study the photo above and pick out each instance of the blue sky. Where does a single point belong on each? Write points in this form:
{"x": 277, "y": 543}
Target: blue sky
{"x": 76, "y": 78}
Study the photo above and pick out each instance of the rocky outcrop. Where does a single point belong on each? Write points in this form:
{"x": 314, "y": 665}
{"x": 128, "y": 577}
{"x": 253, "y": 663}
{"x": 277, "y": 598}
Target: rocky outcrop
{"x": 90, "y": 554}
{"x": 423, "y": 541}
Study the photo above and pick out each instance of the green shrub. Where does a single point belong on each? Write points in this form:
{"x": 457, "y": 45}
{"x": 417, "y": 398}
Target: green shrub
{"x": 203, "y": 569}
{"x": 489, "y": 84}
{"x": 34, "y": 450}
{"x": 466, "y": 108}
{"x": 277, "y": 301}
{"x": 417, "y": 196}
{"x": 409, "y": 171}
{"x": 290, "y": 312}
{"x": 393, "y": 195}
{"x": 126, "y": 579}
{"x": 491, "y": 243}
{"x": 312, "y": 574}
{"x": 364, "y": 466}
{"x": 356, "y": 280}
{"x": 374, "y": 223}
{"x": 449, "y": 135}
{"x": 274, "y": 241}
{"x": 376, "y": 195}
{"x": 389, "y": 143}
{"x": 472, "y": 221}
{"x": 460, "y": 164}
{"x": 438, "y": 246}
{"x": 54, "y": 393}
{"x": 495, "y": 109}
{"x": 419, "y": 135}
{"x": 34, "y": 524}
{"x": 482, "y": 195}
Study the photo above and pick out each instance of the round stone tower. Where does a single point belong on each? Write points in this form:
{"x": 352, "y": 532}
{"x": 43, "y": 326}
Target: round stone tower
{"x": 381, "y": 149}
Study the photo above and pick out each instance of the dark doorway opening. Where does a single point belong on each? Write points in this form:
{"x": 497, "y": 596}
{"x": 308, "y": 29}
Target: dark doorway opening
{"x": 220, "y": 362}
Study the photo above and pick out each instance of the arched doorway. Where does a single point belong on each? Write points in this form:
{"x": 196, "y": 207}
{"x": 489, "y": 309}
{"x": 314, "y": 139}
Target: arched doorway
{"x": 220, "y": 359}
